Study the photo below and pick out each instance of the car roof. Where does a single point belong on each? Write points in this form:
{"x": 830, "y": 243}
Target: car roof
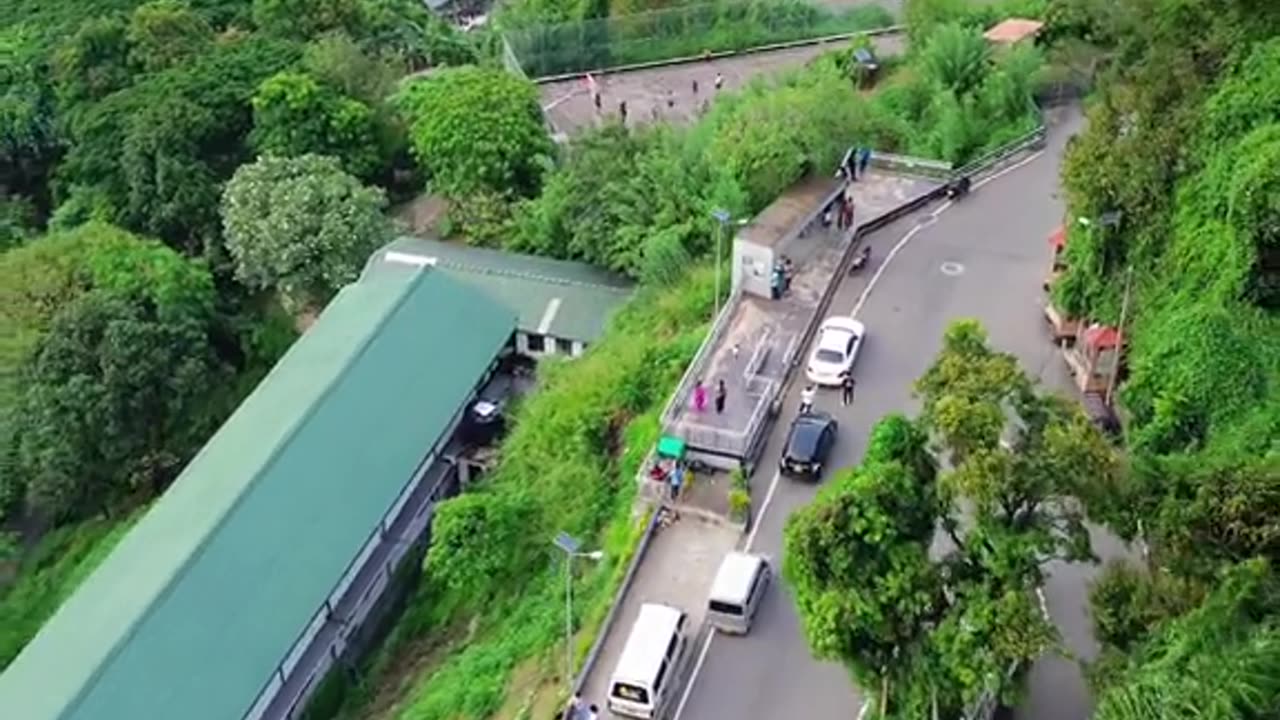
{"x": 734, "y": 578}
{"x": 844, "y": 324}
{"x": 812, "y": 419}
{"x": 647, "y": 644}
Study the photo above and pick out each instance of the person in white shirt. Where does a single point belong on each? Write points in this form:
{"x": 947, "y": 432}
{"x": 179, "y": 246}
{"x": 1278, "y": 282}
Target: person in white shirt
{"x": 806, "y": 399}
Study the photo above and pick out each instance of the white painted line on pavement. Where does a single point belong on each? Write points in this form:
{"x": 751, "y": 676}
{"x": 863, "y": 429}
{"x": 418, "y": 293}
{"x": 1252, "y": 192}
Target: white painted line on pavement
{"x": 773, "y": 484}
{"x": 866, "y": 292}
{"x": 768, "y": 497}
{"x": 693, "y": 675}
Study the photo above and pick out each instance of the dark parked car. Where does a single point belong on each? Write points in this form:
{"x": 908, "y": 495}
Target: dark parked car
{"x": 808, "y": 444}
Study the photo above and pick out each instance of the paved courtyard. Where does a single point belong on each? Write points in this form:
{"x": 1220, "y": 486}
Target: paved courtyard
{"x": 666, "y": 93}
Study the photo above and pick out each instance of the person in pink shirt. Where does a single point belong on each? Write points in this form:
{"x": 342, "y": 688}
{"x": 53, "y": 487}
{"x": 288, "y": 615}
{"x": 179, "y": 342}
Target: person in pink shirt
{"x": 699, "y": 396}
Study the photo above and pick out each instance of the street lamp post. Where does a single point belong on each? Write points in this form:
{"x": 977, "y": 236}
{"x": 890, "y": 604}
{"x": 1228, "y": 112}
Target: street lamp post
{"x": 571, "y": 548}
{"x": 723, "y": 217}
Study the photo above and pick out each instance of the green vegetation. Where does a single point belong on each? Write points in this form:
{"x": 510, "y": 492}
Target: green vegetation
{"x": 50, "y": 573}
{"x": 1180, "y": 144}
{"x": 952, "y": 630}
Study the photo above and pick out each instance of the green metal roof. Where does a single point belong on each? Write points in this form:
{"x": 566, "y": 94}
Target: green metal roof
{"x": 192, "y": 612}
{"x": 563, "y": 299}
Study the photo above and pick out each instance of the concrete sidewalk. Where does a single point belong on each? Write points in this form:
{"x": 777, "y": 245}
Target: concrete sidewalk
{"x": 677, "y": 570}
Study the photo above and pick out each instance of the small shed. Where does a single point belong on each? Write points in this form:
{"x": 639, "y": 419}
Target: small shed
{"x": 763, "y": 242}
{"x": 1013, "y": 31}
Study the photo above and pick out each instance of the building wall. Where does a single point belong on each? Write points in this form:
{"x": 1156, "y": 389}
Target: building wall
{"x": 335, "y": 627}
{"x": 752, "y": 267}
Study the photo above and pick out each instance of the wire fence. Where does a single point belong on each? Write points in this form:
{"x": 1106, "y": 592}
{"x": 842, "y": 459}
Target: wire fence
{"x": 683, "y": 31}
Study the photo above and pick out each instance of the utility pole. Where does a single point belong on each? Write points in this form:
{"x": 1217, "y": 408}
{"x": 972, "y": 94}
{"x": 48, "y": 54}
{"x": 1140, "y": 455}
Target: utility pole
{"x": 1124, "y": 316}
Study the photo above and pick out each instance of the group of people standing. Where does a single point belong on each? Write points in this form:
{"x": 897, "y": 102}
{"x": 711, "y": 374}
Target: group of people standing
{"x": 810, "y": 392}
{"x": 700, "y": 396}
{"x": 597, "y": 96}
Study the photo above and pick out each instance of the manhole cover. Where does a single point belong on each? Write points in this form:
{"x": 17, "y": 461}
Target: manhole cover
{"x": 952, "y": 268}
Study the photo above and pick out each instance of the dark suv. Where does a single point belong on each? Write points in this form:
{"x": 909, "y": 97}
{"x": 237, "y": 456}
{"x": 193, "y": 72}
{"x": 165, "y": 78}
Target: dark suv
{"x": 808, "y": 444}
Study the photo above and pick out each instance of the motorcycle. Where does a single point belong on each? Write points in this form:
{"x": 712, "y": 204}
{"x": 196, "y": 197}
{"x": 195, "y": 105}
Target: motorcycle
{"x": 958, "y": 188}
{"x": 860, "y": 260}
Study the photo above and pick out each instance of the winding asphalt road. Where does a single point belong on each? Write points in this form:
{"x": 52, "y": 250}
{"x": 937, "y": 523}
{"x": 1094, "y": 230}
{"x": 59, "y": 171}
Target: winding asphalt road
{"x": 984, "y": 257}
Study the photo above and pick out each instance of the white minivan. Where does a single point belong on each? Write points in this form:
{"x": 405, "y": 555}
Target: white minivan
{"x": 736, "y": 592}
{"x": 645, "y": 681}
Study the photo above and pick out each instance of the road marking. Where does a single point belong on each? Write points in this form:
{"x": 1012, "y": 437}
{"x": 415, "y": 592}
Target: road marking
{"x": 693, "y": 674}
{"x": 773, "y": 484}
{"x": 952, "y": 268}
{"x": 866, "y": 292}
{"x": 768, "y": 497}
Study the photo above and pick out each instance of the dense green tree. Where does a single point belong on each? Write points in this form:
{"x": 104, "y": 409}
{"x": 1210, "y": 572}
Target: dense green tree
{"x": 207, "y": 143}
{"x": 476, "y": 537}
{"x": 303, "y": 19}
{"x": 857, "y": 558}
{"x": 172, "y": 191}
{"x": 477, "y": 128}
{"x": 301, "y": 226}
{"x": 1220, "y": 661}
{"x": 163, "y": 33}
{"x": 295, "y": 115}
{"x": 339, "y": 62}
{"x": 28, "y": 129}
{"x": 408, "y": 31}
{"x": 108, "y": 403}
{"x": 92, "y": 63}
{"x": 957, "y": 57}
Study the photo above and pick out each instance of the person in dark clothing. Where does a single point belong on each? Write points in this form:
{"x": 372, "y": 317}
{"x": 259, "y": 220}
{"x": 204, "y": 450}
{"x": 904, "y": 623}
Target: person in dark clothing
{"x": 720, "y": 395}
{"x": 622, "y": 110}
{"x": 846, "y": 389}
{"x": 864, "y": 160}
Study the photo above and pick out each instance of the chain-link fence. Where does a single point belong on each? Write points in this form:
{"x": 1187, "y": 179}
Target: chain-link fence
{"x": 682, "y": 31}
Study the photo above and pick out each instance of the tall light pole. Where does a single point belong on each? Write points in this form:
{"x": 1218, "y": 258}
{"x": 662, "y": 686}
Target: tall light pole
{"x": 571, "y": 548}
{"x": 723, "y": 217}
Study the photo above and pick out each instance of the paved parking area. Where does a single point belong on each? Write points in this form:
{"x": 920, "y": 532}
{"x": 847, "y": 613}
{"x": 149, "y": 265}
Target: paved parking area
{"x": 666, "y": 93}
{"x": 677, "y": 570}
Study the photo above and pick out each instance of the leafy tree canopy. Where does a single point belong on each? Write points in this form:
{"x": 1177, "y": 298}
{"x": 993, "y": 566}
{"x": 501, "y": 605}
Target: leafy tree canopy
{"x": 110, "y": 400}
{"x": 301, "y": 226}
{"x": 163, "y": 33}
{"x": 295, "y": 115}
{"x": 477, "y": 129}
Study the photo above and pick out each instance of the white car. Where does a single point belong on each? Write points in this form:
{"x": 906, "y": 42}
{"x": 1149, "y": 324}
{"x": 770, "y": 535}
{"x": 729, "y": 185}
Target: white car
{"x": 837, "y": 346}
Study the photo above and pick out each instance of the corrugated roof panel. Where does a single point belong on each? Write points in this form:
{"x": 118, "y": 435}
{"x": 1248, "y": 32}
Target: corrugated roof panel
{"x": 218, "y": 580}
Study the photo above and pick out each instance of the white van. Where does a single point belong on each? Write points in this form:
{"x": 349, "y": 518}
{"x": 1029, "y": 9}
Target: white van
{"x": 735, "y": 595}
{"x": 645, "y": 681}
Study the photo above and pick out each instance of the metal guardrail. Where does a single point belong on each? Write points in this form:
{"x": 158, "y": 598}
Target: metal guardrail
{"x": 685, "y": 388}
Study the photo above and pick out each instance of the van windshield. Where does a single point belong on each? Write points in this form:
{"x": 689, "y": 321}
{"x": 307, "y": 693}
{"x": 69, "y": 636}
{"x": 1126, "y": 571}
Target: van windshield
{"x": 630, "y": 693}
{"x": 725, "y": 608}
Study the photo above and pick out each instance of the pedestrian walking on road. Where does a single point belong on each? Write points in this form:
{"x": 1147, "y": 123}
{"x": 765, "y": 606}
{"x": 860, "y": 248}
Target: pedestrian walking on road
{"x": 719, "y": 81}
{"x": 864, "y": 160}
{"x": 699, "y": 396}
{"x": 695, "y": 86}
{"x": 846, "y": 389}
{"x": 720, "y": 394}
{"x": 593, "y": 712}
{"x": 597, "y": 100}
{"x": 622, "y": 111}
{"x": 806, "y": 399}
